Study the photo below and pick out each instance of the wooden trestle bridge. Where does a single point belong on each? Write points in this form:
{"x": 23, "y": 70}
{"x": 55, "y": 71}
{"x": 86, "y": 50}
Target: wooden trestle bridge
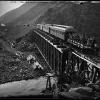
{"x": 68, "y": 63}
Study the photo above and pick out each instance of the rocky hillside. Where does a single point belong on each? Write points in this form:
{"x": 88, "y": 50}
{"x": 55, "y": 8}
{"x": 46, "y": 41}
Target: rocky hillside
{"x": 12, "y": 15}
{"x": 16, "y": 26}
{"x": 33, "y": 14}
{"x": 26, "y": 13}
{"x": 85, "y": 17}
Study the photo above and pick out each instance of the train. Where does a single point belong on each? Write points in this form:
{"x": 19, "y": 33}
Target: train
{"x": 68, "y": 34}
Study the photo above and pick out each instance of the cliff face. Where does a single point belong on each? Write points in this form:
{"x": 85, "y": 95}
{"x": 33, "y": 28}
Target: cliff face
{"x": 84, "y": 17}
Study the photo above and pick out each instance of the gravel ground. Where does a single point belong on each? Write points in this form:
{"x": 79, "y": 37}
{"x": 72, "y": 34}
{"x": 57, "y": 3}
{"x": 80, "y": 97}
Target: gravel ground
{"x": 31, "y": 87}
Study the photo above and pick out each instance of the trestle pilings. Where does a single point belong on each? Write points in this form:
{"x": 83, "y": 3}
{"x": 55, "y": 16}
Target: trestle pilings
{"x": 81, "y": 71}
{"x": 66, "y": 64}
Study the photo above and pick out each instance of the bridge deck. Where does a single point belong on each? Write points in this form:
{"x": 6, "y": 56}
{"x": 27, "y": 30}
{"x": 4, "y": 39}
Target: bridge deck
{"x": 94, "y": 60}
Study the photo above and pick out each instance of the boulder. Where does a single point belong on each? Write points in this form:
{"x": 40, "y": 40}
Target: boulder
{"x": 78, "y": 93}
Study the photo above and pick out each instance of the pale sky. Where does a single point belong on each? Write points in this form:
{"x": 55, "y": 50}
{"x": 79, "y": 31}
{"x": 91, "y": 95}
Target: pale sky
{"x": 6, "y": 6}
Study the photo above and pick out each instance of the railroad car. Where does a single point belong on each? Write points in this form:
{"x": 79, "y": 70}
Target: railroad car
{"x": 69, "y": 35}
{"x": 46, "y": 28}
{"x": 79, "y": 40}
{"x": 58, "y": 32}
{"x": 39, "y": 26}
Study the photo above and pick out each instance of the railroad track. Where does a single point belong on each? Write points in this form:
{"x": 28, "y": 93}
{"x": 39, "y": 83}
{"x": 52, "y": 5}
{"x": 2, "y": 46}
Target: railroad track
{"x": 48, "y": 36}
{"x": 88, "y": 58}
{"x": 48, "y": 40}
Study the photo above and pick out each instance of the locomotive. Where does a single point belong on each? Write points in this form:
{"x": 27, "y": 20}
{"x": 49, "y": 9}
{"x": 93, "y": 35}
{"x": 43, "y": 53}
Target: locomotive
{"x": 68, "y": 34}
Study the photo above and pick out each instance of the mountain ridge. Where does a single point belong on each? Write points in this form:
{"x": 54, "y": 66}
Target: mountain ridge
{"x": 13, "y": 14}
{"x": 85, "y": 17}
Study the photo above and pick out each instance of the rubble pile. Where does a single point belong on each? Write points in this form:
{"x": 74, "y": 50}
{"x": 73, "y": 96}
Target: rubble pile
{"x": 27, "y": 46}
{"x": 22, "y": 45}
{"x": 14, "y": 68}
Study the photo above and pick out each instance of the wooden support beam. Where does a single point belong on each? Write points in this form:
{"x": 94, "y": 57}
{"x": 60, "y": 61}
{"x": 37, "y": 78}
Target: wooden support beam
{"x": 54, "y": 59}
{"x": 94, "y": 74}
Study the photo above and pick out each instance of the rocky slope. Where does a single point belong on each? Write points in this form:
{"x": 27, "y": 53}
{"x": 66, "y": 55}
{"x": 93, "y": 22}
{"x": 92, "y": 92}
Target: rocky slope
{"x": 85, "y": 17}
{"x": 16, "y": 26}
{"x": 12, "y": 15}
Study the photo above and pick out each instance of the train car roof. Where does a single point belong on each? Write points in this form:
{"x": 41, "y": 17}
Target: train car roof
{"x": 59, "y": 28}
{"x": 63, "y": 26}
{"x": 63, "y": 29}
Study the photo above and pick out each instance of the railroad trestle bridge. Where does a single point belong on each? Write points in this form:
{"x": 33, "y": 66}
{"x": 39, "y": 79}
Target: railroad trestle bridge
{"x": 69, "y": 64}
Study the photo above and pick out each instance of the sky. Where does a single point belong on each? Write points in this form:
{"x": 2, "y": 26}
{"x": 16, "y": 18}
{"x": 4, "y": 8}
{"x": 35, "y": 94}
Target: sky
{"x": 6, "y": 6}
